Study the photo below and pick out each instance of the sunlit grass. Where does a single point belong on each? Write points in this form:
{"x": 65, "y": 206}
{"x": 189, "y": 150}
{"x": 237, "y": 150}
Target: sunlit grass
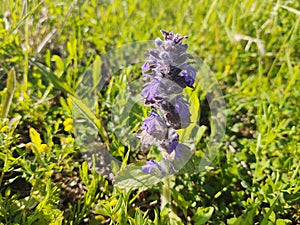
{"x": 251, "y": 47}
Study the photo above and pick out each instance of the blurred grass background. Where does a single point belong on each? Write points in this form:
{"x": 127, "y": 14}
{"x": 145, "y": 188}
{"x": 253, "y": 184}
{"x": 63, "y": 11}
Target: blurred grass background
{"x": 251, "y": 46}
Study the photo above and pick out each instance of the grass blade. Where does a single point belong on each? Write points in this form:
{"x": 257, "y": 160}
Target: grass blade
{"x": 23, "y": 20}
{"x": 90, "y": 116}
{"x": 266, "y": 217}
{"x": 57, "y": 83}
{"x": 10, "y": 86}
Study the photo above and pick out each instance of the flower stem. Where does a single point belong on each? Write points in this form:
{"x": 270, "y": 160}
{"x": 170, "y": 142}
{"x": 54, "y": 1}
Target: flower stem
{"x": 166, "y": 193}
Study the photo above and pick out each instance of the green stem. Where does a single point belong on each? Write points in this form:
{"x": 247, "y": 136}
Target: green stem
{"x": 166, "y": 193}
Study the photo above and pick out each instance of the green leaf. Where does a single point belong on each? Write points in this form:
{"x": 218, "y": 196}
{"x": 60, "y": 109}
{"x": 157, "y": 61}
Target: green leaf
{"x": 283, "y": 222}
{"x": 118, "y": 206}
{"x": 13, "y": 123}
{"x": 266, "y": 217}
{"x": 83, "y": 171}
{"x": 169, "y": 217}
{"x": 72, "y": 48}
{"x": 23, "y": 20}
{"x": 138, "y": 217}
{"x": 246, "y": 218}
{"x": 57, "y": 83}
{"x": 60, "y": 67}
{"x": 35, "y": 137}
{"x": 133, "y": 177}
{"x": 96, "y": 72}
{"x": 115, "y": 167}
{"x": 181, "y": 202}
{"x": 89, "y": 115}
{"x": 202, "y": 215}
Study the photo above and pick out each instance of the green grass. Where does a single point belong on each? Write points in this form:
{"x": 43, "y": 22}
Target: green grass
{"x": 251, "y": 47}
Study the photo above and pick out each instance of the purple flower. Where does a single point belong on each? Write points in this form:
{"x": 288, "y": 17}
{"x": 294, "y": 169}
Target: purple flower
{"x": 168, "y": 57}
{"x": 152, "y": 91}
{"x": 158, "y": 42}
{"x": 155, "y": 125}
{"x": 178, "y": 148}
{"x": 176, "y": 112}
{"x": 189, "y": 74}
{"x": 172, "y": 86}
{"x": 169, "y": 36}
{"x": 148, "y": 168}
{"x": 181, "y": 107}
{"x": 145, "y": 67}
{"x": 173, "y": 144}
{"x": 174, "y": 147}
{"x": 146, "y": 139}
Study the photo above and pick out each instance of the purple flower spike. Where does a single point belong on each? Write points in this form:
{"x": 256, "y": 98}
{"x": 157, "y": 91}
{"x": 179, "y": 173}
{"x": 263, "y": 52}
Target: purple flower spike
{"x": 148, "y": 168}
{"x": 169, "y": 69}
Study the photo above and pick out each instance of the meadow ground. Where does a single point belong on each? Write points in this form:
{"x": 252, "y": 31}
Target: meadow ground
{"x": 252, "y": 48}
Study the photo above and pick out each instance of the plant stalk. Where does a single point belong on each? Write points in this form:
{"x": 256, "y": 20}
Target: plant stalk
{"x": 166, "y": 193}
